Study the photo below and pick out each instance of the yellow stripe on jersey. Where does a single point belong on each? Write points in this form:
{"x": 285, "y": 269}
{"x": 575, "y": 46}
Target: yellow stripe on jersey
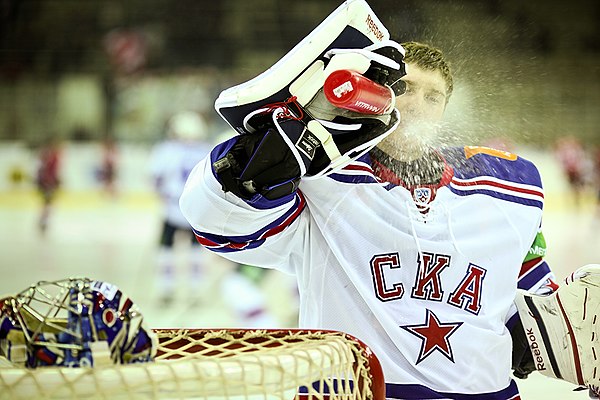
{"x": 471, "y": 151}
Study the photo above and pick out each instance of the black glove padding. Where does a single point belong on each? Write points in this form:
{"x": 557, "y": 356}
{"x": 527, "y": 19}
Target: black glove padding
{"x": 522, "y": 359}
{"x": 385, "y": 75}
{"x": 259, "y": 163}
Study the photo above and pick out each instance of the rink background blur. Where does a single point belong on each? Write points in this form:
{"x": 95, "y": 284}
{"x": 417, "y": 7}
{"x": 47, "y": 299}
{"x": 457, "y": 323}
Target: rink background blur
{"x": 94, "y": 234}
{"x": 82, "y": 72}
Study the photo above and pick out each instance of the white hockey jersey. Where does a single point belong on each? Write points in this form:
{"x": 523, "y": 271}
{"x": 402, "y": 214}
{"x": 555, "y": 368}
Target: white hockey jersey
{"x": 430, "y": 292}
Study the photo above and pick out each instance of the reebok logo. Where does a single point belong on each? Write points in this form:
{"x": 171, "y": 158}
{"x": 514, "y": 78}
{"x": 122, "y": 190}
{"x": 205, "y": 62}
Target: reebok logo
{"x": 372, "y": 26}
{"x": 307, "y": 144}
{"x": 535, "y": 350}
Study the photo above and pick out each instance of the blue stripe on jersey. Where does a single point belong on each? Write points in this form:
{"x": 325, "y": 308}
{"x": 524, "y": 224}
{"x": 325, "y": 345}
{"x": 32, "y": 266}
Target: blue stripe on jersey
{"x": 520, "y": 171}
{"x": 419, "y": 392}
{"x": 534, "y": 276}
{"x": 512, "y": 321}
{"x": 257, "y": 201}
{"x": 515, "y": 180}
{"x": 226, "y": 244}
{"x": 497, "y": 195}
{"x": 221, "y": 244}
{"x": 358, "y": 171}
{"x": 353, "y": 178}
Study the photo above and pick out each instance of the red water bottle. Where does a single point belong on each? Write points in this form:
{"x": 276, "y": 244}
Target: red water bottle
{"x": 352, "y": 91}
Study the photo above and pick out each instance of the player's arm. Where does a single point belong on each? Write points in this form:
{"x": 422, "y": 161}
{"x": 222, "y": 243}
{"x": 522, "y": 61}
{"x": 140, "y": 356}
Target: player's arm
{"x": 250, "y": 229}
{"x": 243, "y": 198}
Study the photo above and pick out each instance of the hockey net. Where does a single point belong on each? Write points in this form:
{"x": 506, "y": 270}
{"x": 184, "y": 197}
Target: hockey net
{"x": 218, "y": 364}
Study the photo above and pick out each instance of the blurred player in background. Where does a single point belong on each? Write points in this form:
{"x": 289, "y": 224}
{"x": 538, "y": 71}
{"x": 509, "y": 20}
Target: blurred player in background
{"x": 415, "y": 249}
{"x": 186, "y": 143}
{"x": 171, "y": 161}
{"x": 596, "y": 179}
{"x": 572, "y": 159}
{"x": 48, "y": 179}
{"x": 107, "y": 173}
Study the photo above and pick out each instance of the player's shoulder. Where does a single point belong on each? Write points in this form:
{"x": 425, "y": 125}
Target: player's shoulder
{"x": 473, "y": 162}
{"x": 495, "y": 173}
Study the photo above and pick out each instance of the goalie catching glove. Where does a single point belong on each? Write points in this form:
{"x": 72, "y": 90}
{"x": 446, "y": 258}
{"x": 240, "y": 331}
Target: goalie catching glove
{"x": 563, "y": 329}
{"x": 288, "y": 129}
{"x": 286, "y": 141}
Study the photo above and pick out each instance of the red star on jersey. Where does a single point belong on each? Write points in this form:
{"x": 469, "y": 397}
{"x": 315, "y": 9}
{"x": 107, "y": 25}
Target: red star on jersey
{"x": 434, "y": 335}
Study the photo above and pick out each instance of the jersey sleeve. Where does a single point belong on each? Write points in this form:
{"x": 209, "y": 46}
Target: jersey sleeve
{"x": 499, "y": 174}
{"x": 257, "y": 231}
{"x": 535, "y": 275}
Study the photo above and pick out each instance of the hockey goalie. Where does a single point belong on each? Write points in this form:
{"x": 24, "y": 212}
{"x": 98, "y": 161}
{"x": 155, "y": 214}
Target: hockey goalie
{"x": 416, "y": 247}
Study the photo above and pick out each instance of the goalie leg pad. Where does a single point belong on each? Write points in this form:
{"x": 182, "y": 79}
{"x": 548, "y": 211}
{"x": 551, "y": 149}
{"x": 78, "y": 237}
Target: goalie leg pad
{"x": 563, "y": 328}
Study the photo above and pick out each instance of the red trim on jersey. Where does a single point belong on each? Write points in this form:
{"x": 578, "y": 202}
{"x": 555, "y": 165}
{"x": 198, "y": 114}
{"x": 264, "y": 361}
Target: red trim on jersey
{"x": 206, "y": 242}
{"x": 447, "y": 174}
{"x": 288, "y": 220}
{"x": 528, "y": 266}
{"x": 268, "y": 233}
{"x": 483, "y": 181}
{"x": 553, "y": 285}
{"x": 358, "y": 167}
{"x": 387, "y": 175}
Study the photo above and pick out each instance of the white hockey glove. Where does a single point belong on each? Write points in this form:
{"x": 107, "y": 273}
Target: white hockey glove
{"x": 563, "y": 329}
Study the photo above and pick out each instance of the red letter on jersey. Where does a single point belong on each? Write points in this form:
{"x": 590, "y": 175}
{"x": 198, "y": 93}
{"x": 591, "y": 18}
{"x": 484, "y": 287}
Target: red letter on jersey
{"x": 378, "y": 264}
{"x": 428, "y": 285}
{"x": 469, "y": 290}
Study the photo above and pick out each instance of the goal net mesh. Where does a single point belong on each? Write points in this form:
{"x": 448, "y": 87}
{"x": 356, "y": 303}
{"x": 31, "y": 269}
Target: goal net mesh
{"x": 218, "y": 364}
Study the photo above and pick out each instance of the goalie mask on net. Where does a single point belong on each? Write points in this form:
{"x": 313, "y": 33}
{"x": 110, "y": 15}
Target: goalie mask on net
{"x": 73, "y": 322}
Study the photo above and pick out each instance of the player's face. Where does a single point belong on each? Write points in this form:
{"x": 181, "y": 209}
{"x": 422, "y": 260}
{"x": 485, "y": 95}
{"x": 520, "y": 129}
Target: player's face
{"x": 421, "y": 108}
{"x": 425, "y": 96}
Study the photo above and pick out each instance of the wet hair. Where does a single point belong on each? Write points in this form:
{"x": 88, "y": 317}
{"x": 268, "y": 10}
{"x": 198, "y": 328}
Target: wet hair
{"x": 429, "y": 58}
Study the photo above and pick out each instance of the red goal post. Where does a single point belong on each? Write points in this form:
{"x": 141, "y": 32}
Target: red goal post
{"x": 219, "y": 364}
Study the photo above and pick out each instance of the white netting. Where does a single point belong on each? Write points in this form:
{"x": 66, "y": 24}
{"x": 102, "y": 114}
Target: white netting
{"x": 217, "y": 364}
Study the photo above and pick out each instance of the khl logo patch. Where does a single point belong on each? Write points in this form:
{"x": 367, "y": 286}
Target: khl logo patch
{"x": 422, "y": 194}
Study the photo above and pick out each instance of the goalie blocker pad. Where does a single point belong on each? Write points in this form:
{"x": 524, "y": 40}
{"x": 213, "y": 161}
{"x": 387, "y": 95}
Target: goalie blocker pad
{"x": 563, "y": 328}
{"x": 301, "y": 73}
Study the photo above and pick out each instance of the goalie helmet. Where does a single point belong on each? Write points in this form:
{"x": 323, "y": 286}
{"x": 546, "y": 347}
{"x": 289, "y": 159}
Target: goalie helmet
{"x": 73, "y": 323}
{"x": 187, "y": 125}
